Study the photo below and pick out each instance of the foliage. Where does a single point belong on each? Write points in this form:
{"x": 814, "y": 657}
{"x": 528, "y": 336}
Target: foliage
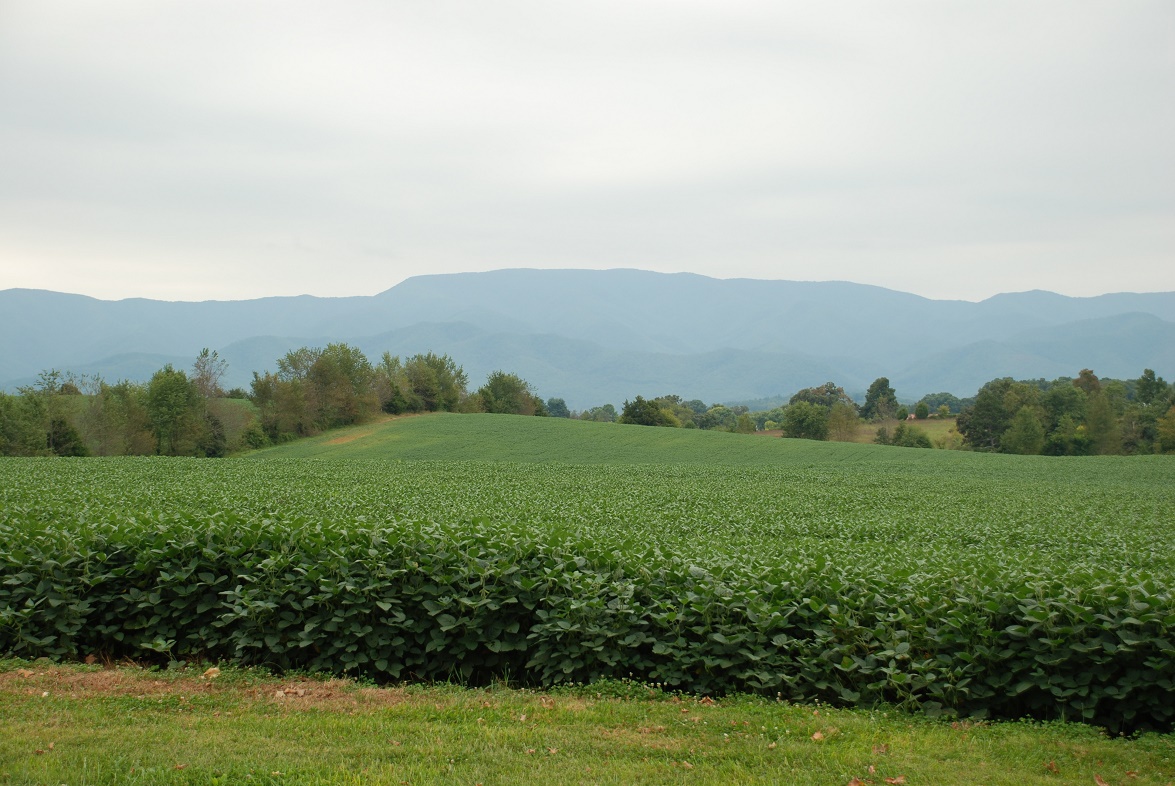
{"x": 842, "y": 422}
{"x": 1077, "y": 417}
{"x": 207, "y": 371}
{"x": 1025, "y": 435}
{"x": 644, "y": 412}
{"x": 881, "y": 402}
{"x": 904, "y": 435}
{"x": 771, "y": 580}
{"x": 983, "y": 425}
{"x": 557, "y": 408}
{"x": 602, "y": 414}
{"x": 509, "y": 394}
{"x": 804, "y": 420}
{"x": 64, "y": 439}
{"x": 827, "y": 395}
{"x": 1166, "y": 432}
{"x": 953, "y": 403}
{"x": 172, "y": 406}
{"x": 22, "y": 431}
{"x": 921, "y": 410}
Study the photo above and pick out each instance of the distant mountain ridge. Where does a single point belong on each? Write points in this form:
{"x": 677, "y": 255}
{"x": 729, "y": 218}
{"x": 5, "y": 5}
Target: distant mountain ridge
{"x": 593, "y": 337}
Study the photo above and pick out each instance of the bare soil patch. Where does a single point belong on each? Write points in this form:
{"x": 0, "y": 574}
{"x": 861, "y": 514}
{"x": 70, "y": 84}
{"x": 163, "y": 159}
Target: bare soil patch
{"x": 370, "y": 427}
{"x": 297, "y": 693}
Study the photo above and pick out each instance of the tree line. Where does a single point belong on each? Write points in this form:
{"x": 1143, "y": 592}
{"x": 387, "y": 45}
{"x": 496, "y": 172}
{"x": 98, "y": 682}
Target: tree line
{"x": 1070, "y": 416}
{"x": 180, "y": 413}
{"x": 1063, "y": 417}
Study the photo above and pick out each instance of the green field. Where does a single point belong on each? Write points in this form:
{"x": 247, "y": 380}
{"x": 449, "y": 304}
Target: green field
{"x": 946, "y": 581}
{"x": 508, "y": 438}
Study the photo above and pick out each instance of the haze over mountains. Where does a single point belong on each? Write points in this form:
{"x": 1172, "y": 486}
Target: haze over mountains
{"x": 595, "y": 337}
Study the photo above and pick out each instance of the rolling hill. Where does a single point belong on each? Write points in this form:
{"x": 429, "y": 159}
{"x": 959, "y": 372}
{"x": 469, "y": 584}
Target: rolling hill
{"x": 518, "y": 439}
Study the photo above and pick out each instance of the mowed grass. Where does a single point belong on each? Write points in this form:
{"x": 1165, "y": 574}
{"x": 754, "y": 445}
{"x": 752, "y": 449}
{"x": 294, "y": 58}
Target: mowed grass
{"x": 86, "y": 724}
{"x": 510, "y": 438}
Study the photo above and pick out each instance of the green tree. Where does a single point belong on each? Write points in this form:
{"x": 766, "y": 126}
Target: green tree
{"x": 22, "y": 425}
{"x": 643, "y": 412}
{"x": 1104, "y": 430}
{"x": 436, "y": 381}
{"x": 984, "y": 423}
{"x": 605, "y": 413}
{"x": 207, "y": 372}
{"x": 842, "y": 422}
{"x": 1025, "y": 435}
{"x": 173, "y": 406}
{"x": 557, "y": 408}
{"x": 1068, "y": 438}
{"x": 680, "y": 413}
{"x": 342, "y": 378}
{"x": 1166, "y": 432}
{"x": 881, "y": 401}
{"x": 392, "y": 387}
{"x": 1148, "y": 388}
{"x": 120, "y": 424}
{"x": 64, "y": 439}
{"x": 922, "y": 410}
{"x": 936, "y": 401}
{"x": 827, "y": 395}
{"x": 804, "y": 420}
{"x": 909, "y": 436}
{"x": 510, "y": 394}
{"x": 1061, "y": 399}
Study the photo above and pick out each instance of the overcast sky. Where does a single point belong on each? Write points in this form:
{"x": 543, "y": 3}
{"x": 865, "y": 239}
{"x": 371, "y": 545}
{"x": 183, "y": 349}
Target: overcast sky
{"x": 241, "y": 148}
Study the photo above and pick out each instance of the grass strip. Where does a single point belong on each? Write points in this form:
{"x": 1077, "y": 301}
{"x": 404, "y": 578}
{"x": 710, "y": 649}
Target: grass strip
{"x": 127, "y": 725}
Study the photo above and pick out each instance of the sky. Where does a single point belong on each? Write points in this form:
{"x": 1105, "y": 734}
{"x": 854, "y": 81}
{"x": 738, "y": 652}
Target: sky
{"x": 229, "y": 149}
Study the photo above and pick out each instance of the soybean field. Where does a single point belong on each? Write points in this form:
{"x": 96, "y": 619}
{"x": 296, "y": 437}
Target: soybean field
{"x": 952, "y": 583}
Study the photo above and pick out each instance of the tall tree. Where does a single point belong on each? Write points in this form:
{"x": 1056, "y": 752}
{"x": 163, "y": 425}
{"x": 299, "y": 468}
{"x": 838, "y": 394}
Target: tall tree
{"x": 1025, "y": 435}
{"x": 826, "y": 396}
{"x": 984, "y": 423}
{"x": 207, "y": 372}
{"x": 643, "y": 412}
{"x": 842, "y": 422}
{"x": 173, "y": 406}
{"x": 805, "y": 420}
{"x": 343, "y": 378}
{"x": 1104, "y": 430}
{"x": 1166, "y": 432}
{"x": 881, "y": 401}
{"x": 1088, "y": 381}
{"x": 1149, "y": 388}
{"x": 510, "y": 394}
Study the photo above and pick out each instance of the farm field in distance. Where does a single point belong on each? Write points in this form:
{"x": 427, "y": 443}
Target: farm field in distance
{"x": 500, "y": 438}
{"x": 940, "y": 581}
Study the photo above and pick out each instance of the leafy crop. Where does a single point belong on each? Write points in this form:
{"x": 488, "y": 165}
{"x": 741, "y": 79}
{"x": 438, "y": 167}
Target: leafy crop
{"x": 980, "y": 585}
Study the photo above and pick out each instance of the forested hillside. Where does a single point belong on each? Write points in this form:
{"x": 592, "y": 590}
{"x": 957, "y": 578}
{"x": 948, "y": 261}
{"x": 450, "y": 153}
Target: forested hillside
{"x": 597, "y": 336}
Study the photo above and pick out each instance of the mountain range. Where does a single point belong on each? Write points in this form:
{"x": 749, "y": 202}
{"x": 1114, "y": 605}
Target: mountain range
{"x": 604, "y": 336}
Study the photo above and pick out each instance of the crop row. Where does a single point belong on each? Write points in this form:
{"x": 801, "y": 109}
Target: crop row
{"x": 333, "y": 567}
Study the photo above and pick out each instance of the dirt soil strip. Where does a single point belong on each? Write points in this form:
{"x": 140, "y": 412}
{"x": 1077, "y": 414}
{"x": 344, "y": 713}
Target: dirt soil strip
{"x": 296, "y": 693}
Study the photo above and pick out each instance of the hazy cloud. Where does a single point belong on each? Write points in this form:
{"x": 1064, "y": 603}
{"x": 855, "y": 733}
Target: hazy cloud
{"x": 227, "y": 149}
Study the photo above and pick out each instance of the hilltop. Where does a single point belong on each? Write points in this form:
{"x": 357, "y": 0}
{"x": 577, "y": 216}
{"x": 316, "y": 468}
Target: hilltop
{"x": 519, "y": 439}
